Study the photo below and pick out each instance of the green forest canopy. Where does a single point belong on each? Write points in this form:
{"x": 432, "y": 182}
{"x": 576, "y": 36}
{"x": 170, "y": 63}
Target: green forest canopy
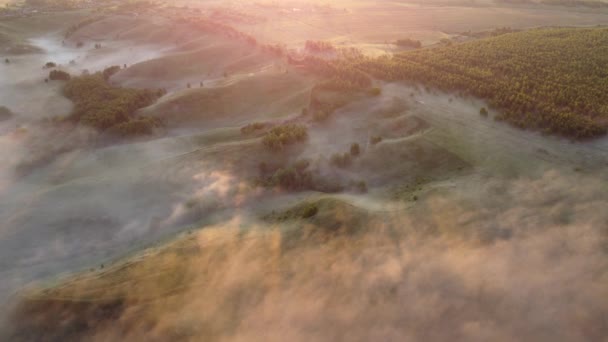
{"x": 554, "y": 80}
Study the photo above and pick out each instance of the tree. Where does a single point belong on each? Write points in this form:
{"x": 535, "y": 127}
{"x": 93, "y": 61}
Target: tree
{"x": 108, "y": 72}
{"x": 375, "y": 140}
{"x": 355, "y": 150}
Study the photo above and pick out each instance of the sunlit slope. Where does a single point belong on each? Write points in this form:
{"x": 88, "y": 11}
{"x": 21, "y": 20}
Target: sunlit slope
{"x": 553, "y": 80}
{"x": 236, "y": 100}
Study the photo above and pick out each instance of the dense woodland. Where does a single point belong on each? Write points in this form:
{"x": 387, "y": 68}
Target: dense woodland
{"x": 552, "y": 80}
{"x": 99, "y": 105}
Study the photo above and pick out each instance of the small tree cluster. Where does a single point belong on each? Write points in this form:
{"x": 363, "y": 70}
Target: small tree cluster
{"x": 282, "y": 136}
{"x": 375, "y": 140}
{"x": 319, "y": 46}
{"x": 59, "y": 75}
{"x": 483, "y": 112}
{"x": 409, "y": 43}
{"x": 108, "y": 72}
{"x": 341, "y": 160}
{"x": 295, "y": 177}
{"x": 253, "y": 127}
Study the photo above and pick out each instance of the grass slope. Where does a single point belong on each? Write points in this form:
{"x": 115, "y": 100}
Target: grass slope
{"x": 260, "y": 96}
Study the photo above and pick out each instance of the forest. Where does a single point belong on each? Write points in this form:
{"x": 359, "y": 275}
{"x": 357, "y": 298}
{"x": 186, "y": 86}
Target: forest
{"x": 551, "y": 80}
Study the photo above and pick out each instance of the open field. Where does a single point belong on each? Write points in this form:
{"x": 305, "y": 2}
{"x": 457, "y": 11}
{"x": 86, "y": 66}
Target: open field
{"x": 276, "y": 201}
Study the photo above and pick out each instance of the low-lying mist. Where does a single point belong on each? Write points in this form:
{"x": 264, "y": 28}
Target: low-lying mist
{"x": 522, "y": 259}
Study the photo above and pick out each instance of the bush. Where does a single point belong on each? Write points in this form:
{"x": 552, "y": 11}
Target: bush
{"x": 50, "y": 65}
{"x": 355, "y": 150}
{"x": 5, "y": 113}
{"x": 319, "y": 46}
{"x": 309, "y": 210}
{"x": 292, "y": 178}
{"x": 253, "y": 127}
{"x": 341, "y": 160}
{"x": 280, "y": 137}
{"x": 483, "y": 112}
{"x": 58, "y": 75}
{"x": 360, "y": 186}
{"x": 375, "y": 91}
{"x": 375, "y": 140}
{"x": 136, "y": 127}
{"x": 408, "y": 42}
{"x": 108, "y": 72}
{"x": 321, "y": 115}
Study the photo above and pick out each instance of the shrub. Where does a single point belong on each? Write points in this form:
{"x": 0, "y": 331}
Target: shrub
{"x": 50, "y": 65}
{"x": 253, "y": 127}
{"x": 321, "y": 115}
{"x": 5, "y": 113}
{"x": 408, "y": 42}
{"x": 341, "y": 160}
{"x": 108, "y": 72}
{"x": 375, "y": 91}
{"x": 360, "y": 186}
{"x": 280, "y": 137}
{"x": 309, "y": 210}
{"x": 319, "y": 46}
{"x": 355, "y": 150}
{"x": 483, "y": 112}
{"x": 136, "y": 127}
{"x": 291, "y": 178}
{"x": 58, "y": 75}
{"x": 375, "y": 140}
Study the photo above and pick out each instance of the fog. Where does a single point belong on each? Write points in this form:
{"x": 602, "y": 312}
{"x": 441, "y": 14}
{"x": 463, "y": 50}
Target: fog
{"x": 514, "y": 249}
{"x": 507, "y": 260}
{"x": 65, "y": 203}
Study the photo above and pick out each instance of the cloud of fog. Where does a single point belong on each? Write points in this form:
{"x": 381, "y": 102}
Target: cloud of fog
{"x": 521, "y": 260}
